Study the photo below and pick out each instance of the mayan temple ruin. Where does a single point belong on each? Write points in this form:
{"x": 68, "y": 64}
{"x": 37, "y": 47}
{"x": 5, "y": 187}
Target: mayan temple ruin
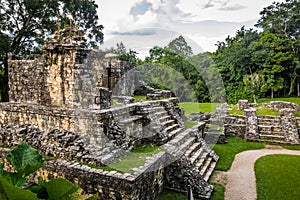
{"x": 62, "y": 104}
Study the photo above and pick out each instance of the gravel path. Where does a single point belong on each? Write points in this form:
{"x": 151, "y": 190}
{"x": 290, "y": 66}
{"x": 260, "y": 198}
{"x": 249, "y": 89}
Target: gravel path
{"x": 241, "y": 183}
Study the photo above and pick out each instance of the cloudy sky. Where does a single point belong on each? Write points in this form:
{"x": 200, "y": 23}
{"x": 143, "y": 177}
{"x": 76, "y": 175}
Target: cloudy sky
{"x": 142, "y": 24}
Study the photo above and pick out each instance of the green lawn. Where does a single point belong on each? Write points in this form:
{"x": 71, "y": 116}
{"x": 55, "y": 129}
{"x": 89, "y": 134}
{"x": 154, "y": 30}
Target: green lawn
{"x": 268, "y": 100}
{"x": 228, "y": 151}
{"x": 170, "y": 195}
{"x": 194, "y": 107}
{"x": 136, "y": 158}
{"x": 261, "y": 111}
{"x": 218, "y": 194}
{"x": 190, "y": 124}
{"x": 219, "y": 191}
{"x": 140, "y": 98}
{"x": 291, "y": 147}
{"x": 277, "y": 177}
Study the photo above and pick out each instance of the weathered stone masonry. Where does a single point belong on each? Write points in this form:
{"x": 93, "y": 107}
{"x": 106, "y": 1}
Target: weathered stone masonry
{"x": 60, "y": 104}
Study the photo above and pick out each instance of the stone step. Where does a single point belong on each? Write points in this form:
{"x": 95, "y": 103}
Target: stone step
{"x": 165, "y": 118}
{"x": 205, "y": 166}
{"x": 157, "y": 109}
{"x": 271, "y": 133}
{"x": 168, "y": 123}
{"x": 130, "y": 119}
{"x": 202, "y": 159}
{"x": 210, "y": 171}
{"x": 161, "y": 114}
{"x": 180, "y": 137}
{"x": 269, "y": 127}
{"x": 172, "y": 128}
{"x": 272, "y": 137}
{"x": 187, "y": 144}
{"x": 268, "y": 121}
{"x": 195, "y": 147}
{"x": 175, "y": 132}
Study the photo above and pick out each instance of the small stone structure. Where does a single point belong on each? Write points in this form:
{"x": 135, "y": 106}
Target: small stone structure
{"x": 270, "y": 129}
{"x": 243, "y": 104}
{"x": 61, "y": 104}
{"x": 278, "y": 105}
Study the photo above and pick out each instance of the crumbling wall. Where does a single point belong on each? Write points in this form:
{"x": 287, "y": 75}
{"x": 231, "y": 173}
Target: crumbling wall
{"x": 27, "y": 81}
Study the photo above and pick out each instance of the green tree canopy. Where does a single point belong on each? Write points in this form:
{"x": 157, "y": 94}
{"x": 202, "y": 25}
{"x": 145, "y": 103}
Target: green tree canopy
{"x": 26, "y": 24}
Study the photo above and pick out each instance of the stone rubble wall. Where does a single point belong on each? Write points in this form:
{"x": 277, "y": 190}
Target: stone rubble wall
{"x": 235, "y": 125}
{"x": 27, "y": 81}
{"x": 249, "y": 126}
{"x": 146, "y": 182}
{"x": 278, "y": 105}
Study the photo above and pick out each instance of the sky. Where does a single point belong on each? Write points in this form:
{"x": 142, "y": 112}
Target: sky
{"x": 142, "y": 24}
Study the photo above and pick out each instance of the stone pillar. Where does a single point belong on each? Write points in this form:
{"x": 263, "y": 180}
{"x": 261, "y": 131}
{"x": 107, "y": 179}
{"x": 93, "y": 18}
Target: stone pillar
{"x": 251, "y": 124}
{"x": 104, "y": 98}
{"x": 243, "y": 104}
{"x": 289, "y": 125}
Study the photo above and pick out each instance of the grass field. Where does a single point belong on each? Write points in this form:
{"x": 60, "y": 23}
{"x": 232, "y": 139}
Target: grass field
{"x": 277, "y": 177}
{"x": 194, "y": 107}
{"x": 268, "y": 100}
{"x": 190, "y": 124}
{"x": 136, "y": 158}
{"x": 228, "y": 151}
{"x": 170, "y": 195}
{"x": 291, "y": 147}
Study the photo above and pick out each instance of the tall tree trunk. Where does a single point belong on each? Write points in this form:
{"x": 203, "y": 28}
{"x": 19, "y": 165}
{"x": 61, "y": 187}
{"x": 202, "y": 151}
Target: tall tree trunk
{"x": 272, "y": 93}
{"x": 298, "y": 89}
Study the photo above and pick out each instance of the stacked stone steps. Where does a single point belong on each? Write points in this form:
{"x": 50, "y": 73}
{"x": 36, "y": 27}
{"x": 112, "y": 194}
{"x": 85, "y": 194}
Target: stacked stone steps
{"x": 202, "y": 157}
{"x": 268, "y": 121}
{"x": 169, "y": 125}
{"x": 270, "y": 130}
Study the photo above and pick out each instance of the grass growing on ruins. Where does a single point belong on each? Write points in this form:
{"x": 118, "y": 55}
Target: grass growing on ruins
{"x": 261, "y": 111}
{"x": 190, "y": 124}
{"x": 228, "y": 151}
{"x": 291, "y": 147}
{"x": 170, "y": 195}
{"x": 194, "y": 107}
{"x": 140, "y": 98}
{"x": 136, "y": 158}
{"x": 277, "y": 177}
{"x": 264, "y": 111}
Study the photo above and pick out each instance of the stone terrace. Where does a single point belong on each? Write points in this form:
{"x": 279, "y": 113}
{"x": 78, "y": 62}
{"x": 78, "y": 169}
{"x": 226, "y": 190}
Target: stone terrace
{"x": 61, "y": 105}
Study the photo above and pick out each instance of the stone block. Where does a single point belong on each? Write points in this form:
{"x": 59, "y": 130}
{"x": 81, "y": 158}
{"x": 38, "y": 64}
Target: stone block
{"x": 243, "y": 104}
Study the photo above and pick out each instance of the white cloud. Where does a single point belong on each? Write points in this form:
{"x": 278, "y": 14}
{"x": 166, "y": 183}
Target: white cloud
{"x": 205, "y": 21}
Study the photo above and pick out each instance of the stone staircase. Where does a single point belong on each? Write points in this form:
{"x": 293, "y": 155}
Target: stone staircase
{"x": 163, "y": 124}
{"x": 270, "y": 129}
{"x": 202, "y": 157}
{"x": 197, "y": 152}
{"x": 193, "y": 158}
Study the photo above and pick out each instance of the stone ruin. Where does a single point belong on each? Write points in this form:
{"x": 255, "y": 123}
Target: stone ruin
{"x": 61, "y": 104}
{"x": 282, "y": 129}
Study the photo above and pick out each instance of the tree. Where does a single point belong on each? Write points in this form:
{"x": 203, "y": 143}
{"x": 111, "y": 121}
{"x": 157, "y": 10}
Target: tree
{"x": 180, "y": 46}
{"x": 234, "y": 60}
{"x": 26, "y": 24}
{"x": 255, "y": 83}
{"x": 283, "y": 20}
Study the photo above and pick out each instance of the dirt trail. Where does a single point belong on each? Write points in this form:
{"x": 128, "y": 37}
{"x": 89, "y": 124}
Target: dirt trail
{"x": 241, "y": 177}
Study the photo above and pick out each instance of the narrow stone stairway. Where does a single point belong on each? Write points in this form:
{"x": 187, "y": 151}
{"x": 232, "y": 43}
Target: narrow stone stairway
{"x": 270, "y": 130}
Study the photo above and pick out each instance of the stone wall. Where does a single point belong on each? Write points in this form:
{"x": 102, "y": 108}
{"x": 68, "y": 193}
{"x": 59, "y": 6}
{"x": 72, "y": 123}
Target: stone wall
{"x": 27, "y": 81}
{"x": 278, "y": 105}
{"x": 145, "y": 183}
{"x": 81, "y": 121}
{"x": 279, "y": 130}
{"x": 235, "y": 125}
